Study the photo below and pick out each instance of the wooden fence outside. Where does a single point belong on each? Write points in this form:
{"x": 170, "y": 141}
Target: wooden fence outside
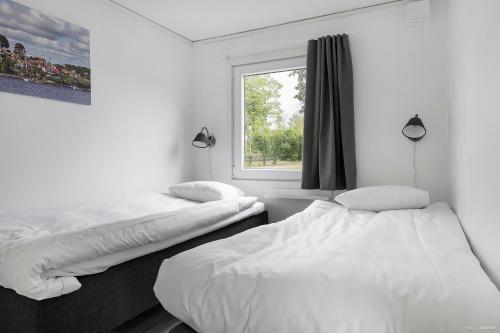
{"x": 261, "y": 158}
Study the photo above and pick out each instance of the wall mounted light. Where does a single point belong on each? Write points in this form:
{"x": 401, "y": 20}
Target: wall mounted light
{"x": 414, "y": 129}
{"x": 205, "y": 140}
{"x": 202, "y": 140}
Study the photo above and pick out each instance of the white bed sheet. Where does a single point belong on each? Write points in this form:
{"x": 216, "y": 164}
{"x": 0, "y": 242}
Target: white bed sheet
{"x": 41, "y": 252}
{"x": 102, "y": 263}
{"x": 328, "y": 269}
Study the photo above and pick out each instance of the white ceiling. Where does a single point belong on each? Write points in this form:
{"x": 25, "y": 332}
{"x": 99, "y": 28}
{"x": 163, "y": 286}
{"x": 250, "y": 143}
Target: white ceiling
{"x": 201, "y": 19}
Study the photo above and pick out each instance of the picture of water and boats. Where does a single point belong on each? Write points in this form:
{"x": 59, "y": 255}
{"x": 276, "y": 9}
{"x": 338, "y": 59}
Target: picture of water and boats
{"x": 43, "y": 56}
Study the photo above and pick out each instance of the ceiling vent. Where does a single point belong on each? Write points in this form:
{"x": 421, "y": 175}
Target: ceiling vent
{"x": 418, "y": 12}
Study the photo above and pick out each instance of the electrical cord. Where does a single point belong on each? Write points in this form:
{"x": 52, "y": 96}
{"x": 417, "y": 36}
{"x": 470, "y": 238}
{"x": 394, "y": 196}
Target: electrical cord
{"x": 414, "y": 163}
{"x": 210, "y": 163}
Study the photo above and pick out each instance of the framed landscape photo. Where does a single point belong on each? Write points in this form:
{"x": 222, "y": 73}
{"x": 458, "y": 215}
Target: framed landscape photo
{"x": 43, "y": 56}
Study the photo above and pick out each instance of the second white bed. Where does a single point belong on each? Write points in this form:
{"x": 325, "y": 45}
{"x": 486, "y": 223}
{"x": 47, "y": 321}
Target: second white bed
{"x": 329, "y": 269}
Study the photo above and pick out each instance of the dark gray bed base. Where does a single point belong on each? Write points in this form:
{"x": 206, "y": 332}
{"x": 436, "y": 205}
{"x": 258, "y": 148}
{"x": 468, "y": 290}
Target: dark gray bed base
{"x": 182, "y": 328}
{"x": 107, "y": 299}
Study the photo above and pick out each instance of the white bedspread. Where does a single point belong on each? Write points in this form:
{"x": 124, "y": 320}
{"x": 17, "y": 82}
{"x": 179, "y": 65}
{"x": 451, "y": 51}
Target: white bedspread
{"x": 342, "y": 271}
{"x": 32, "y": 246}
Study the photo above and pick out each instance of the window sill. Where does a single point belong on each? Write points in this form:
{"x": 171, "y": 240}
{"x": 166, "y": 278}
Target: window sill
{"x": 267, "y": 174}
{"x": 298, "y": 194}
{"x": 257, "y": 179}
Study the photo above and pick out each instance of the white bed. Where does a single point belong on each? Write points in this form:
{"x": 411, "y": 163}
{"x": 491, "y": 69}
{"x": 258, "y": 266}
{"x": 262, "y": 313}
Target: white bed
{"x": 42, "y": 252}
{"x": 328, "y": 269}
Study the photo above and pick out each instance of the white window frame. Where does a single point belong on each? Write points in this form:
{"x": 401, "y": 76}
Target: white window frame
{"x": 239, "y": 71}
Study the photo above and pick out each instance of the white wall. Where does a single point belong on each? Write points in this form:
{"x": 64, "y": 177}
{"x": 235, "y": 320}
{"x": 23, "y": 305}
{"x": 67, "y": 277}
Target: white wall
{"x": 131, "y": 139}
{"x": 475, "y": 119}
{"x": 399, "y": 70}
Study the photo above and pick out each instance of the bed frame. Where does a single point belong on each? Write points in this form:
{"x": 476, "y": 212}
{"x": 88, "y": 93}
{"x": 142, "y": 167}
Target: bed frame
{"x": 107, "y": 299}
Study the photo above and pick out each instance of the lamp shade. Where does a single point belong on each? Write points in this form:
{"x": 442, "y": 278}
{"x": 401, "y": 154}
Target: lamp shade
{"x": 202, "y": 140}
{"x": 414, "y": 129}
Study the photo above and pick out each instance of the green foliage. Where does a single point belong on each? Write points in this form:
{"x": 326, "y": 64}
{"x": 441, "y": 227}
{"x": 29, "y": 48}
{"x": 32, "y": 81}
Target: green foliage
{"x": 19, "y": 48}
{"x": 297, "y": 122}
{"x": 262, "y": 107}
{"x": 7, "y": 66}
{"x": 301, "y": 86}
{"x": 4, "y": 42}
{"x": 261, "y": 143}
{"x": 78, "y": 69}
{"x": 287, "y": 144}
{"x": 265, "y": 129}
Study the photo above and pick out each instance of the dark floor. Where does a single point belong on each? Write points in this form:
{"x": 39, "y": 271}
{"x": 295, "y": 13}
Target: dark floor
{"x": 155, "y": 320}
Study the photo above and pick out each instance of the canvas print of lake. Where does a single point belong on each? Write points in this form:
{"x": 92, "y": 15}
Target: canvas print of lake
{"x": 43, "y": 56}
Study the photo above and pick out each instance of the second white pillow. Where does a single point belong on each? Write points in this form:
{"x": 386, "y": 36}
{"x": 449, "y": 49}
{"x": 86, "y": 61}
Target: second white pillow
{"x": 388, "y": 197}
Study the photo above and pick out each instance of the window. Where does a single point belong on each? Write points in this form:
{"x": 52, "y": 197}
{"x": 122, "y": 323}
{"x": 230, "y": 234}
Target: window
{"x": 269, "y": 119}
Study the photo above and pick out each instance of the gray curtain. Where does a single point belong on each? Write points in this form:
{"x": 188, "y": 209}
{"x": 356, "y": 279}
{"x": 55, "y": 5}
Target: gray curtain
{"x": 328, "y": 155}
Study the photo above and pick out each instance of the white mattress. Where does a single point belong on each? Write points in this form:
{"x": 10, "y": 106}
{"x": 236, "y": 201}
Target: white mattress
{"x": 42, "y": 252}
{"x": 330, "y": 269}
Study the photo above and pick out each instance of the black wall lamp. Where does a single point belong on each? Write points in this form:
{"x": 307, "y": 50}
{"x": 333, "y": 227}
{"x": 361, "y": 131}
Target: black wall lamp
{"x": 203, "y": 140}
{"x": 414, "y": 129}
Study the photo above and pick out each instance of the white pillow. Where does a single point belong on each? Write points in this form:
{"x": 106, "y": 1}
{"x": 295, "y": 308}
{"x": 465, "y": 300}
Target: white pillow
{"x": 204, "y": 191}
{"x": 379, "y": 198}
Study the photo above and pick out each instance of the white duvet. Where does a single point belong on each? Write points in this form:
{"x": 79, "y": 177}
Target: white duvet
{"x": 335, "y": 271}
{"x": 34, "y": 248}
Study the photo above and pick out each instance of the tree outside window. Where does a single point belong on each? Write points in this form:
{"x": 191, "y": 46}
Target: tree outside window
{"x": 274, "y": 119}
